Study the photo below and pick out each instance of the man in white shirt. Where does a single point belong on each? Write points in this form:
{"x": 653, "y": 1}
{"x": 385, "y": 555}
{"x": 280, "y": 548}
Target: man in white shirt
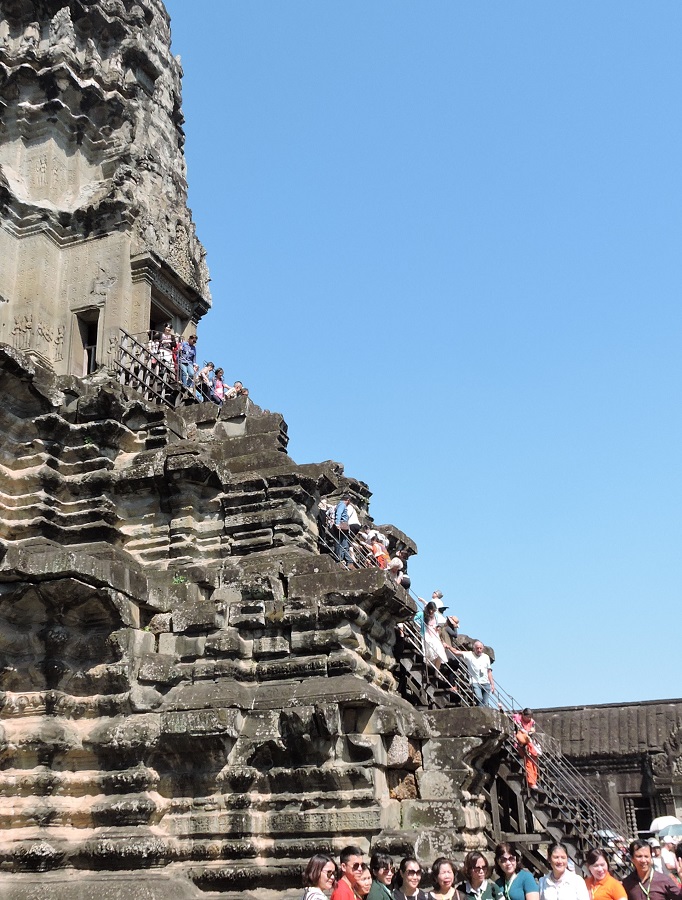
{"x": 480, "y": 669}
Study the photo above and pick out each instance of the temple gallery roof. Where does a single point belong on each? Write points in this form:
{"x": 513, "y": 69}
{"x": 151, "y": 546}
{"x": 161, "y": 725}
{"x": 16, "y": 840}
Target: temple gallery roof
{"x": 613, "y": 729}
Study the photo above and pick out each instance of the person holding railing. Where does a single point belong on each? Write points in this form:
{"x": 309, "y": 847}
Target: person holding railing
{"x": 480, "y": 669}
{"x": 187, "y": 357}
{"x": 166, "y": 345}
{"x": 204, "y": 381}
{"x": 237, "y": 390}
{"x": 342, "y": 527}
{"x": 524, "y": 723}
{"x": 380, "y": 554}
{"x": 428, "y": 626}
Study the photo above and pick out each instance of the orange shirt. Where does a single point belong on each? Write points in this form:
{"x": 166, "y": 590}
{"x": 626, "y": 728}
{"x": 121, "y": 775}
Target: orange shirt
{"x": 608, "y": 889}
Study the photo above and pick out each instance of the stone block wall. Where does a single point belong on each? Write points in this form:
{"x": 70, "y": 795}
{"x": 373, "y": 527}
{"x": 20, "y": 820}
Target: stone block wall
{"x": 190, "y": 690}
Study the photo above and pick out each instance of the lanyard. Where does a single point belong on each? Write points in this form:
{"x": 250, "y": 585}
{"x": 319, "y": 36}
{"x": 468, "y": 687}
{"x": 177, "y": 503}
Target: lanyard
{"x": 508, "y": 884}
{"x": 647, "y": 891}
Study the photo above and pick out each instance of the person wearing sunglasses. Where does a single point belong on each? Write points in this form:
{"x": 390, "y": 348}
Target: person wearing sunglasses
{"x": 476, "y": 884}
{"x": 381, "y": 867}
{"x": 408, "y": 878}
{"x": 319, "y": 877}
{"x": 516, "y": 883}
{"x": 351, "y": 864}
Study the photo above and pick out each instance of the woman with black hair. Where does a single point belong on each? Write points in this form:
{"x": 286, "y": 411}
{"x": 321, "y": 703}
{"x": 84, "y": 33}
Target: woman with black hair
{"x": 560, "y": 884}
{"x": 516, "y": 883}
{"x": 408, "y": 878}
{"x": 476, "y": 884}
{"x": 443, "y": 875}
{"x": 381, "y": 867}
{"x": 601, "y": 884}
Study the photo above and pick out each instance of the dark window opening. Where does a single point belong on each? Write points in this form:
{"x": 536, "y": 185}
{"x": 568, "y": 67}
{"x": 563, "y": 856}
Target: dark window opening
{"x": 87, "y": 328}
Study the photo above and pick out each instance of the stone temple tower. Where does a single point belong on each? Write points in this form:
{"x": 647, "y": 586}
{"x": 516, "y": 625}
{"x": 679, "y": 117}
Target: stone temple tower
{"x": 95, "y": 233}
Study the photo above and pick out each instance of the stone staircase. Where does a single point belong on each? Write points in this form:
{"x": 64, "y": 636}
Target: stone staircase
{"x": 563, "y": 806}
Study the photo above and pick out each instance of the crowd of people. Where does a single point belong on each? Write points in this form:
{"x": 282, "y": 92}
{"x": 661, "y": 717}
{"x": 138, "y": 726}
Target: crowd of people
{"x": 476, "y": 879}
{"x": 356, "y": 545}
{"x": 205, "y": 383}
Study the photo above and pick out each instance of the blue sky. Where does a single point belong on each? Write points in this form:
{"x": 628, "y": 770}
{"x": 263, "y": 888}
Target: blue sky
{"x": 444, "y": 241}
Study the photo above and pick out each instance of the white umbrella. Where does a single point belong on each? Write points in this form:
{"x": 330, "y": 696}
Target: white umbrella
{"x": 662, "y": 821}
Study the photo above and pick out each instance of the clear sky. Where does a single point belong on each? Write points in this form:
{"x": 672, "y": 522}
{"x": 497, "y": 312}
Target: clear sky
{"x": 444, "y": 239}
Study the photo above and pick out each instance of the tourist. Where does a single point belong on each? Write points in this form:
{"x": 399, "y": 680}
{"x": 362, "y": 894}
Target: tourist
{"x": 381, "y": 867}
{"x": 377, "y": 535}
{"x": 404, "y": 557}
{"x": 560, "y": 884}
{"x": 351, "y": 864}
{"x": 437, "y": 598}
{"x": 166, "y": 345}
{"x": 187, "y": 357}
{"x": 480, "y": 672}
{"x": 342, "y": 531}
{"x": 645, "y": 883}
{"x": 433, "y": 646}
{"x": 218, "y": 391}
{"x": 380, "y": 553}
{"x": 678, "y": 861}
{"x": 443, "y": 876}
{"x": 668, "y": 844}
{"x": 353, "y": 520}
{"x": 516, "y": 883}
{"x": 476, "y": 884}
{"x": 600, "y": 883}
{"x": 204, "y": 381}
{"x": 153, "y": 344}
{"x": 408, "y": 877}
{"x": 448, "y": 624}
{"x": 363, "y": 884}
{"x": 395, "y": 568}
{"x": 237, "y": 390}
{"x": 524, "y": 724}
{"x": 656, "y": 860}
{"x": 318, "y": 877}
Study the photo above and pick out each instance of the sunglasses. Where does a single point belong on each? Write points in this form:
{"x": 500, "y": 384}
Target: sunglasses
{"x": 479, "y": 868}
{"x": 413, "y": 871}
{"x": 357, "y": 866}
{"x": 507, "y": 859}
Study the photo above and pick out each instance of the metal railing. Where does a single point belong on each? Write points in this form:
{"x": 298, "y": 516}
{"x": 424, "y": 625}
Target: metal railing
{"x": 143, "y": 369}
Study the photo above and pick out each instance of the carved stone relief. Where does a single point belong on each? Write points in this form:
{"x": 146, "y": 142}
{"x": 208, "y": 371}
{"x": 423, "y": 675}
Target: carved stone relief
{"x": 94, "y": 148}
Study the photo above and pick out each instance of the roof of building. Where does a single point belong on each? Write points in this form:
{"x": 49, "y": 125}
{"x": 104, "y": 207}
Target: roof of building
{"x": 612, "y": 729}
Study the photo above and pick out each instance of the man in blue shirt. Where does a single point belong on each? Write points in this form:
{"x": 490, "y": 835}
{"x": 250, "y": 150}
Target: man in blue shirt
{"x": 187, "y": 358}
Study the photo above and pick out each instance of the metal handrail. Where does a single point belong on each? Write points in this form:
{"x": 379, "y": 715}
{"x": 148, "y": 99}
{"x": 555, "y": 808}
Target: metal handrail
{"x": 554, "y": 763}
{"x": 555, "y": 771}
